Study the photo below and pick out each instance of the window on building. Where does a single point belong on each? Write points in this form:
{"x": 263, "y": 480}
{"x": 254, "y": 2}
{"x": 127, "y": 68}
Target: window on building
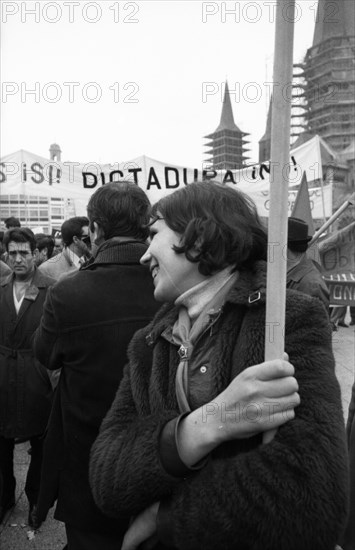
{"x": 57, "y": 211}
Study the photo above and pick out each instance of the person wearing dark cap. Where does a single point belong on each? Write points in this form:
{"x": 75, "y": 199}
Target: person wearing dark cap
{"x": 302, "y": 272}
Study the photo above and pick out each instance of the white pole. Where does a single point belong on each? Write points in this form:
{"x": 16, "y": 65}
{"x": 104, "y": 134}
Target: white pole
{"x": 323, "y": 201}
{"x": 344, "y": 206}
{"x": 279, "y": 179}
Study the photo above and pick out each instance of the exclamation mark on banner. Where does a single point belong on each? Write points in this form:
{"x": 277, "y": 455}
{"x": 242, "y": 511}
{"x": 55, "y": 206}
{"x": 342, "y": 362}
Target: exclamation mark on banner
{"x": 50, "y": 175}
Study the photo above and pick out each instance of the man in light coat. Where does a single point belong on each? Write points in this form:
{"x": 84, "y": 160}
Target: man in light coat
{"x": 76, "y": 239}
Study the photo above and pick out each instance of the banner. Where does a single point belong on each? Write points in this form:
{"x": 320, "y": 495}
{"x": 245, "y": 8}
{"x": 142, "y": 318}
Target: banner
{"x": 28, "y": 174}
{"x": 338, "y": 262}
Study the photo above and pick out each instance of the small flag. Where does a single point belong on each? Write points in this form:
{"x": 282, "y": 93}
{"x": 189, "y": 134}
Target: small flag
{"x": 302, "y": 210}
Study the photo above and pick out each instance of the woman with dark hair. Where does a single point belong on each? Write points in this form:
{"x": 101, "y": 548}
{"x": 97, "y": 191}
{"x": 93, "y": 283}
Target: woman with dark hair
{"x": 181, "y": 448}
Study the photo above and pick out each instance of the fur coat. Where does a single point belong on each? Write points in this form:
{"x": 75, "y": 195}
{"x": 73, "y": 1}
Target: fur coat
{"x": 290, "y": 494}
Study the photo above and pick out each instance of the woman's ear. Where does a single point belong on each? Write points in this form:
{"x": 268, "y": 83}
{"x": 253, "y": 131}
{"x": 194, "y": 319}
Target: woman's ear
{"x": 198, "y": 245}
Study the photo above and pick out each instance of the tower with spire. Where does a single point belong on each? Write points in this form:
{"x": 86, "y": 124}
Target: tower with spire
{"x": 324, "y": 103}
{"x": 329, "y": 75}
{"x": 227, "y": 147}
{"x": 265, "y": 141}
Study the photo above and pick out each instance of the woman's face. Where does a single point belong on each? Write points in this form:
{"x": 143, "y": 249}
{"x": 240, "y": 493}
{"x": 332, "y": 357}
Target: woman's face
{"x": 173, "y": 274}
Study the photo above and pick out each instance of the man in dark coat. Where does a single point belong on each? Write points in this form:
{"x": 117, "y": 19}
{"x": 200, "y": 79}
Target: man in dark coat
{"x": 25, "y": 388}
{"x": 89, "y": 318}
{"x": 302, "y": 272}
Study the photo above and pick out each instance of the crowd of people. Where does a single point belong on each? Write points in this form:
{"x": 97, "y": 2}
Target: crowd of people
{"x": 132, "y": 359}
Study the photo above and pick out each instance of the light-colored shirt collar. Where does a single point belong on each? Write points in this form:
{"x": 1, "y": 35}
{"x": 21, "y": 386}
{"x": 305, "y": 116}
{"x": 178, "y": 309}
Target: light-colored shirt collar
{"x": 74, "y": 258}
{"x": 197, "y": 297}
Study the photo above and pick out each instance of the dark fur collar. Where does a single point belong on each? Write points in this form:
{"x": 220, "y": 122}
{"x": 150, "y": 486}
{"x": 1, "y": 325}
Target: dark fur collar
{"x": 117, "y": 251}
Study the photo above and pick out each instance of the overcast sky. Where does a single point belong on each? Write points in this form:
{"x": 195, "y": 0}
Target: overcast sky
{"x": 110, "y": 81}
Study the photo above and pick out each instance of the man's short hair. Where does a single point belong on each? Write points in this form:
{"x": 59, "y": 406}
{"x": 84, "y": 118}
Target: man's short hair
{"x": 73, "y": 228}
{"x": 12, "y": 222}
{"x": 121, "y": 209}
{"x": 45, "y": 241}
{"x": 219, "y": 226}
{"x": 20, "y": 235}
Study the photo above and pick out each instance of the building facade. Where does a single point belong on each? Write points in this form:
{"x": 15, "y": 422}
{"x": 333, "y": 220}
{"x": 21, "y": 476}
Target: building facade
{"x": 41, "y": 214}
{"x": 34, "y": 212}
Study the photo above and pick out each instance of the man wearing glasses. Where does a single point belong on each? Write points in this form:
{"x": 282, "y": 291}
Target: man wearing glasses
{"x": 76, "y": 251}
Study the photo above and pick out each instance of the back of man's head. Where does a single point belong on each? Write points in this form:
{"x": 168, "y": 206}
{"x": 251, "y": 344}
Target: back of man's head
{"x": 12, "y": 222}
{"x": 73, "y": 228}
{"x": 45, "y": 241}
{"x": 120, "y": 209}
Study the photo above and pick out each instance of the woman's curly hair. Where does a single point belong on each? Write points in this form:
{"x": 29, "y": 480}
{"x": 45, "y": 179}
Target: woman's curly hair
{"x": 219, "y": 226}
